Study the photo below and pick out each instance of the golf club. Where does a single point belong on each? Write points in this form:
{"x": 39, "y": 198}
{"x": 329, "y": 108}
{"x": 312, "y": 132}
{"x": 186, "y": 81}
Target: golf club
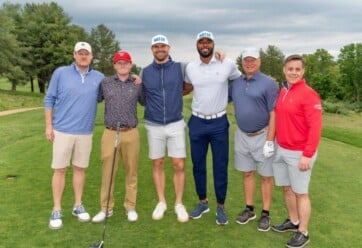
{"x": 100, "y": 244}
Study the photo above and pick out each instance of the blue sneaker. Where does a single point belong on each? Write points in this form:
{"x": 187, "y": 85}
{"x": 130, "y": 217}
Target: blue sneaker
{"x": 199, "y": 210}
{"x": 55, "y": 221}
{"x": 221, "y": 218}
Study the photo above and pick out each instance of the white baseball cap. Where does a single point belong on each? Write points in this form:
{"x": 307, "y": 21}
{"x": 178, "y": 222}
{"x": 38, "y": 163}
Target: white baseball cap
{"x": 251, "y": 52}
{"x": 159, "y": 39}
{"x": 205, "y": 34}
{"x": 82, "y": 45}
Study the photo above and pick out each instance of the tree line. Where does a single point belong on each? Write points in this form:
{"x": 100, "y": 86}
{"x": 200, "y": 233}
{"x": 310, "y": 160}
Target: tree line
{"x": 334, "y": 79}
{"x": 37, "y": 38}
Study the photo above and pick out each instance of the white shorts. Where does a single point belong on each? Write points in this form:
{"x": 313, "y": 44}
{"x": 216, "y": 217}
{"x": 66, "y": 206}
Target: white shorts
{"x": 170, "y": 136}
{"x": 287, "y": 173}
{"x": 68, "y": 147}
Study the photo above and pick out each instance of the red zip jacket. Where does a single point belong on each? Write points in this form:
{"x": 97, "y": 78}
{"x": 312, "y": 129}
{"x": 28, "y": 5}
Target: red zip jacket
{"x": 298, "y": 118}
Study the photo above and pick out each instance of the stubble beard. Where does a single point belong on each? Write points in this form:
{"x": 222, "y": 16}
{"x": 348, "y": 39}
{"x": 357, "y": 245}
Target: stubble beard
{"x": 207, "y": 54}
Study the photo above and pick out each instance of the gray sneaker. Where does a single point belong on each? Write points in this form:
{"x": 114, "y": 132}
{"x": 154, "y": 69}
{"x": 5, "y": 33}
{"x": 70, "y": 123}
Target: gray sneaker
{"x": 286, "y": 226}
{"x": 199, "y": 210}
{"x": 264, "y": 223}
{"x": 221, "y": 218}
{"x": 245, "y": 216}
{"x": 299, "y": 240}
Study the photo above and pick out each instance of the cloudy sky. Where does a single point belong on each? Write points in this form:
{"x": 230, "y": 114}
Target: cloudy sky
{"x": 292, "y": 26}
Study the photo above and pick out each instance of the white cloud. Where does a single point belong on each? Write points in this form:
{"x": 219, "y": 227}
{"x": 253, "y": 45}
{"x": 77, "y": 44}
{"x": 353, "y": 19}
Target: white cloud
{"x": 294, "y": 27}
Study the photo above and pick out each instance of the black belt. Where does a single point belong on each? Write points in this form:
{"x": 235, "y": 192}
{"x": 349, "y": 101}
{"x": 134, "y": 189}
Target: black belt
{"x": 121, "y": 129}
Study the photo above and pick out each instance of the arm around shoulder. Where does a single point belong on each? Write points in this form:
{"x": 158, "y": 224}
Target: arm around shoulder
{"x": 187, "y": 88}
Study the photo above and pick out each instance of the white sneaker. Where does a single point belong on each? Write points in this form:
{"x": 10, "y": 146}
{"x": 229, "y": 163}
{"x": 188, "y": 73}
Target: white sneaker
{"x": 159, "y": 211}
{"x": 132, "y": 215}
{"x": 182, "y": 215}
{"x": 79, "y": 211}
{"x": 56, "y": 220}
{"x": 101, "y": 216}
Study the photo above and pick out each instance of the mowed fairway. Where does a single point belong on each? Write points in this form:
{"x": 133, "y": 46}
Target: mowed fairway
{"x": 26, "y": 202}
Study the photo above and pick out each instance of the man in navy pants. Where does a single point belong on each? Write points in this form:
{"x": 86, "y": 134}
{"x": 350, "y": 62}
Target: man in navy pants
{"x": 208, "y": 123}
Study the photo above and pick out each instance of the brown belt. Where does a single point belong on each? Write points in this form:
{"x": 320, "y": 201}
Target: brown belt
{"x": 256, "y": 133}
{"x": 121, "y": 129}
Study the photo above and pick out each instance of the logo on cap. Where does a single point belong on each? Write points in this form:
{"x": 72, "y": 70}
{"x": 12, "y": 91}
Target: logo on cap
{"x": 205, "y": 34}
{"x": 159, "y": 39}
{"x": 122, "y": 55}
{"x": 82, "y": 45}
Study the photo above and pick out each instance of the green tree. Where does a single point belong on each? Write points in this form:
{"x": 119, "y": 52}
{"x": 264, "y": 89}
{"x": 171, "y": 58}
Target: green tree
{"x": 11, "y": 61}
{"x": 272, "y": 62}
{"x": 46, "y": 33}
{"x": 104, "y": 45}
{"x": 350, "y": 64}
{"x": 322, "y": 74}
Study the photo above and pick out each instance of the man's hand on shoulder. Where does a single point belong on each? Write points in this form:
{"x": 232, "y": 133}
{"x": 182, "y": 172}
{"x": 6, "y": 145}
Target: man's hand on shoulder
{"x": 137, "y": 79}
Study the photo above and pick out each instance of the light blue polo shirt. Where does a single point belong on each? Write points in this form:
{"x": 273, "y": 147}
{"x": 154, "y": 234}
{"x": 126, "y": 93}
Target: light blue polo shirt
{"x": 73, "y": 98}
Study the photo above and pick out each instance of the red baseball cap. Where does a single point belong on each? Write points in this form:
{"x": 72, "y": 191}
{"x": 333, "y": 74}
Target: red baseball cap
{"x": 122, "y": 55}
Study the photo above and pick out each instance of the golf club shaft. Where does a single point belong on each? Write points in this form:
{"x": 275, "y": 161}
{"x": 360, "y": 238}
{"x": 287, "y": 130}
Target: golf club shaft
{"x": 111, "y": 179}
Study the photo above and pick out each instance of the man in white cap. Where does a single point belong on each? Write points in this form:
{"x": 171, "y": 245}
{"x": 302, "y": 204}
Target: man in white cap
{"x": 254, "y": 95}
{"x": 163, "y": 83}
{"x": 70, "y": 111}
{"x": 208, "y": 123}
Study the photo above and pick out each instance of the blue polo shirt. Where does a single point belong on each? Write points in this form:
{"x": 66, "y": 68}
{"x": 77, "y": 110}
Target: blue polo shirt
{"x": 73, "y": 98}
{"x": 254, "y": 99}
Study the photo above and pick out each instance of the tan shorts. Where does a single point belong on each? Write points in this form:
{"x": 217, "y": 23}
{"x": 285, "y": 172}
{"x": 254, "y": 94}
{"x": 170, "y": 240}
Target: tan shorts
{"x": 69, "y": 147}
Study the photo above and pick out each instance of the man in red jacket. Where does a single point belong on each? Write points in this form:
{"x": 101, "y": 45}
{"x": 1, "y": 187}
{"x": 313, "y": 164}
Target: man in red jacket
{"x": 298, "y": 130}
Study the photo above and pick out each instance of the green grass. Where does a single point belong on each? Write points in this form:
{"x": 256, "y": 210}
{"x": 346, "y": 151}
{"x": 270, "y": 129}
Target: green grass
{"x": 21, "y": 98}
{"x": 26, "y": 201}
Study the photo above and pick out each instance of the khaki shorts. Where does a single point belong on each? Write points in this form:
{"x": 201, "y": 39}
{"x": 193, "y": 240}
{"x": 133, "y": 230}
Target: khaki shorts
{"x": 69, "y": 147}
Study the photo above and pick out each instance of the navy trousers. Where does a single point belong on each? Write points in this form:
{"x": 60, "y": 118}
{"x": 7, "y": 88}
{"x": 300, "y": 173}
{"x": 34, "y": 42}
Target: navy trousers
{"x": 216, "y": 133}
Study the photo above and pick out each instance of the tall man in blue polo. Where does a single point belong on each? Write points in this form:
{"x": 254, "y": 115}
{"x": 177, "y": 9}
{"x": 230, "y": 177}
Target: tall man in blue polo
{"x": 70, "y": 110}
{"x": 208, "y": 123}
{"x": 254, "y": 95}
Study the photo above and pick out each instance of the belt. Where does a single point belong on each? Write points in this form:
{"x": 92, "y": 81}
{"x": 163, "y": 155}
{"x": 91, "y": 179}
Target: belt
{"x": 256, "y": 133}
{"x": 209, "y": 117}
{"x": 121, "y": 129}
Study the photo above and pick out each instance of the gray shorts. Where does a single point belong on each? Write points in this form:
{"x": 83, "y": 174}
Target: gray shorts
{"x": 248, "y": 154}
{"x": 287, "y": 173}
{"x": 170, "y": 136}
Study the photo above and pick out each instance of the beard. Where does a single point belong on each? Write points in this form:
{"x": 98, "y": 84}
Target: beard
{"x": 205, "y": 53}
{"x": 161, "y": 56}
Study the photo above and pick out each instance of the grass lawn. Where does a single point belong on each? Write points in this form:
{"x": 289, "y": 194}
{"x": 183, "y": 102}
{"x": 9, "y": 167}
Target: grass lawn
{"x": 26, "y": 200}
{"x": 21, "y": 98}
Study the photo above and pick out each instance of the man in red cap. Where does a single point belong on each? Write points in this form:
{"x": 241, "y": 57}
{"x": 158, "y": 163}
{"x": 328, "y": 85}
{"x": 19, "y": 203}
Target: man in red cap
{"x": 120, "y": 94}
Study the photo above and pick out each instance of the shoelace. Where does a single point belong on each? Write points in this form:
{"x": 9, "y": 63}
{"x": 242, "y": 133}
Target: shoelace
{"x": 56, "y": 215}
{"x": 79, "y": 209}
